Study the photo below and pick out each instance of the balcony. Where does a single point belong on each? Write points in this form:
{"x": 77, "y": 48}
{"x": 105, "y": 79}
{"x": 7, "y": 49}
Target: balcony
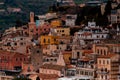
{"x": 102, "y": 72}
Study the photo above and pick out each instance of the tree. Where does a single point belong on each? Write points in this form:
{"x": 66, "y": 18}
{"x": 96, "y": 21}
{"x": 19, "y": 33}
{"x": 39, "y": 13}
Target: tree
{"x": 108, "y": 8}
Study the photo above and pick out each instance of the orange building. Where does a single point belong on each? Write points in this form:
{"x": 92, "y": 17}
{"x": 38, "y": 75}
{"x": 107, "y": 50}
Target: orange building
{"x": 56, "y": 23}
{"x": 48, "y": 39}
{"x": 11, "y": 61}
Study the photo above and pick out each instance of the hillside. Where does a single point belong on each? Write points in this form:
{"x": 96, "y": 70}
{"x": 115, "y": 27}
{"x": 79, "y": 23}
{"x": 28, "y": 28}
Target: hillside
{"x": 9, "y": 17}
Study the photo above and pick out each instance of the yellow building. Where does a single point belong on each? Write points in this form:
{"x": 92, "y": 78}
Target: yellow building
{"x": 62, "y": 31}
{"x": 48, "y": 39}
{"x": 56, "y": 23}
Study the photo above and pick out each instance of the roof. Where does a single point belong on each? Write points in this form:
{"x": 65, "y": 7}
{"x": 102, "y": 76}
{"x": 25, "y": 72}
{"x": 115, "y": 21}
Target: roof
{"x": 11, "y": 54}
{"x": 87, "y": 51}
{"x": 85, "y": 59}
{"x": 87, "y": 33}
{"x": 48, "y": 76}
{"x": 52, "y": 66}
{"x": 107, "y": 56}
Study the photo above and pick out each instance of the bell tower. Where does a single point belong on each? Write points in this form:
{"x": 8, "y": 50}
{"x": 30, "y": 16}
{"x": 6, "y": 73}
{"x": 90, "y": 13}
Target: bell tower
{"x": 32, "y": 28}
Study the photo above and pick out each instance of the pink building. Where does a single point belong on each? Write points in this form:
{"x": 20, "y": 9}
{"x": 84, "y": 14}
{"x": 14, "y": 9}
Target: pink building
{"x": 43, "y": 29}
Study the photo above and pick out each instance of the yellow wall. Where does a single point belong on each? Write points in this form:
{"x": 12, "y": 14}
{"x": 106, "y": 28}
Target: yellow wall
{"x": 63, "y": 31}
{"x": 46, "y": 40}
{"x": 55, "y": 23}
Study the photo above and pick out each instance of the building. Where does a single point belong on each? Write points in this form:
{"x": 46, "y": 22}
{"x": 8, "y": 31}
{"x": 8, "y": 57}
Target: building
{"x": 108, "y": 67}
{"x": 51, "y": 72}
{"x": 3, "y": 76}
{"x": 62, "y": 31}
{"x": 36, "y": 57}
{"x": 32, "y": 25}
{"x": 43, "y": 29}
{"x": 12, "y": 60}
{"x": 55, "y": 23}
{"x": 48, "y": 39}
{"x": 104, "y": 49}
{"x": 114, "y": 16}
{"x": 91, "y": 34}
{"x": 70, "y": 20}
{"x": 86, "y": 67}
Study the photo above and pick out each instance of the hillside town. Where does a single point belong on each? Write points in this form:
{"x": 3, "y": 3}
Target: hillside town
{"x": 55, "y": 47}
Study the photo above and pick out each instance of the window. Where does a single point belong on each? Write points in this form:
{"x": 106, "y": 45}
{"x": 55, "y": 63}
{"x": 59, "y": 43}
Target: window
{"x": 16, "y": 59}
{"x": 103, "y": 61}
{"x": 24, "y": 59}
{"x": 104, "y": 52}
{"x": 15, "y": 43}
{"x": 44, "y": 40}
{"x": 107, "y": 61}
{"x": 21, "y": 38}
{"x": 101, "y": 52}
{"x": 36, "y": 29}
{"x": 48, "y": 40}
{"x": 38, "y": 51}
{"x": 21, "y": 43}
{"x": 55, "y": 59}
{"x": 51, "y": 59}
{"x": 78, "y": 54}
{"x": 98, "y": 51}
{"x": 31, "y": 30}
{"x": 102, "y": 36}
{"x": 99, "y": 61}
{"x": 20, "y": 59}
{"x": 28, "y": 69}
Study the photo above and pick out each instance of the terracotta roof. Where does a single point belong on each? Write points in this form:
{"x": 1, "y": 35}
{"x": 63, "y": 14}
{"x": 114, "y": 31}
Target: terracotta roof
{"x": 67, "y": 52}
{"x": 87, "y": 51}
{"x": 85, "y": 59}
{"x": 48, "y": 76}
{"x": 87, "y": 33}
{"x": 108, "y": 56}
{"x": 52, "y": 66}
{"x": 70, "y": 66}
{"x": 11, "y": 54}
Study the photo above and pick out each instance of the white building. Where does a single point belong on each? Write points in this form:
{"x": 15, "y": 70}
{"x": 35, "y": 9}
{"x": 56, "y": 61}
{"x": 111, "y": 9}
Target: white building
{"x": 91, "y": 34}
{"x": 115, "y": 16}
{"x": 70, "y": 20}
{"x": 3, "y": 76}
{"x": 76, "y": 78}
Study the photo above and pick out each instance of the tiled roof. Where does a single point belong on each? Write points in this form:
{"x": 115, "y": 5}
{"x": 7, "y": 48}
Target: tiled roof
{"x": 87, "y": 51}
{"x": 48, "y": 76}
{"x": 108, "y": 56}
{"x": 87, "y": 33}
{"x": 52, "y": 66}
{"x": 85, "y": 59}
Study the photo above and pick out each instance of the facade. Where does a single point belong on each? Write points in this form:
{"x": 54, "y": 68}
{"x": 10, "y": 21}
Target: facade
{"x": 48, "y": 39}
{"x": 16, "y": 44}
{"x": 62, "y": 31}
{"x": 86, "y": 67}
{"x": 31, "y": 24}
{"x": 108, "y": 67}
{"x": 36, "y": 57}
{"x": 115, "y": 16}
{"x": 3, "y": 76}
{"x": 43, "y": 29}
{"x": 50, "y": 69}
{"x": 11, "y": 60}
{"x": 56, "y": 23}
{"x": 70, "y": 20}
{"x": 91, "y": 34}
